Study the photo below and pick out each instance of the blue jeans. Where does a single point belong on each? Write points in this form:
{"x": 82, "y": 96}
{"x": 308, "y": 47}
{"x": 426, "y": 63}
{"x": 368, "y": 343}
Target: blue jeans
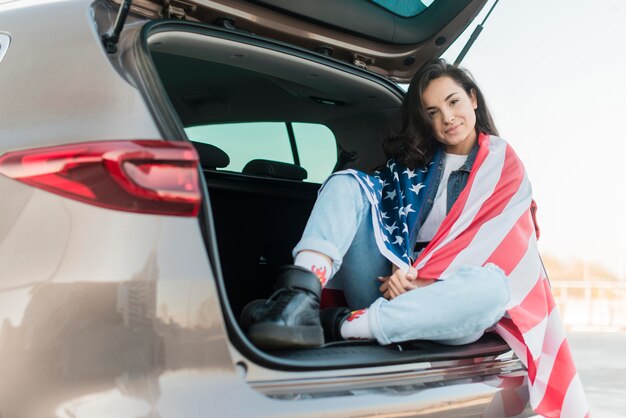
{"x": 452, "y": 311}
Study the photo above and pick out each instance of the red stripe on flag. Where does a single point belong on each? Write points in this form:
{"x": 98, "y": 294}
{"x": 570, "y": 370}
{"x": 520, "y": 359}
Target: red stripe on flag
{"x": 511, "y": 176}
{"x": 533, "y": 212}
{"x": 534, "y": 308}
{"x": 563, "y": 372}
{"x": 511, "y": 328}
{"x": 457, "y": 208}
{"x": 514, "y": 245}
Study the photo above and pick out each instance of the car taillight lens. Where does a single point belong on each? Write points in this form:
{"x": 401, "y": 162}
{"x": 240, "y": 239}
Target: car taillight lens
{"x": 143, "y": 176}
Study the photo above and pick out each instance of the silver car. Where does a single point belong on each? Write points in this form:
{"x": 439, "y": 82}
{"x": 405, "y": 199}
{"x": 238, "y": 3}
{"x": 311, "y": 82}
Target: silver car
{"x": 158, "y": 161}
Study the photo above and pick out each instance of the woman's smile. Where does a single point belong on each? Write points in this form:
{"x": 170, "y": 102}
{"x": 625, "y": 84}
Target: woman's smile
{"x": 453, "y": 129}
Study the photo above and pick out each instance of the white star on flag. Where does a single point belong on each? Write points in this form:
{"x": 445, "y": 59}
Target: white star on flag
{"x": 408, "y": 209}
{"x": 405, "y": 210}
{"x": 390, "y": 228}
{"x": 410, "y": 173}
{"x": 416, "y": 188}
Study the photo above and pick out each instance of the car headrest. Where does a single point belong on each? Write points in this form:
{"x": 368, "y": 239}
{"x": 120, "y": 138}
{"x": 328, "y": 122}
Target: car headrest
{"x": 276, "y": 169}
{"x": 211, "y": 157}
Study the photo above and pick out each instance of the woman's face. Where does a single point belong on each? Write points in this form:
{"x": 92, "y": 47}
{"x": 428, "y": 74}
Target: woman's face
{"x": 452, "y": 113}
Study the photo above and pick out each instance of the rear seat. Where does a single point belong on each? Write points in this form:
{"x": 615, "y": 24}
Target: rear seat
{"x": 259, "y": 217}
{"x": 275, "y": 169}
{"x": 211, "y": 157}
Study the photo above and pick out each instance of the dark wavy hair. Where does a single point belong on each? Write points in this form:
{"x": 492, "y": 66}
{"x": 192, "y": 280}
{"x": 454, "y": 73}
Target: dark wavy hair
{"x": 414, "y": 143}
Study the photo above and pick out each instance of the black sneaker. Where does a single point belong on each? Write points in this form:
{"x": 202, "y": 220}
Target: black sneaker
{"x": 290, "y": 317}
{"x": 253, "y": 311}
{"x": 331, "y": 319}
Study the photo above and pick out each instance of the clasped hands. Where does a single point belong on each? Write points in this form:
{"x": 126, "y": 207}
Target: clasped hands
{"x": 400, "y": 282}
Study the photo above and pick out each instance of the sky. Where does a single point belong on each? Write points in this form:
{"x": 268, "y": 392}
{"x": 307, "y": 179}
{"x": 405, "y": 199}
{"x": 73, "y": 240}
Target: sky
{"x": 554, "y": 76}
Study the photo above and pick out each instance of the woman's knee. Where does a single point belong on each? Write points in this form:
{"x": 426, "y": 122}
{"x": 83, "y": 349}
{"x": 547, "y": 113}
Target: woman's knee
{"x": 497, "y": 284}
{"x": 486, "y": 286}
{"x": 343, "y": 201}
{"x": 344, "y": 186}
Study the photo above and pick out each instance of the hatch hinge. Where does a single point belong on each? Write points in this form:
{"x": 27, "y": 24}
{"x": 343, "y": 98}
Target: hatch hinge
{"x": 110, "y": 40}
{"x": 176, "y": 9}
{"x": 362, "y": 61}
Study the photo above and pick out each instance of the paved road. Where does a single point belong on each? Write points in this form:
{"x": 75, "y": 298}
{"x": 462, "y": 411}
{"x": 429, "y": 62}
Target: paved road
{"x": 601, "y": 362}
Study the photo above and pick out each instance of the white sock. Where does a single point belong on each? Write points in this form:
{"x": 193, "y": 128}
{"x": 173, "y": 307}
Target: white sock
{"x": 357, "y": 326}
{"x": 315, "y": 262}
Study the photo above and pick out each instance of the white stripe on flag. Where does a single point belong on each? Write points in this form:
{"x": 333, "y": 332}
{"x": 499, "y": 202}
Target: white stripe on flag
{"x": 484, "y": 184}
{"x": 524, "y": 276}
{"x": 492, "y": 232}
{"x": 534, "y": 338}
{"x": 553, "y": 335}
{"x": 575, "y": 402}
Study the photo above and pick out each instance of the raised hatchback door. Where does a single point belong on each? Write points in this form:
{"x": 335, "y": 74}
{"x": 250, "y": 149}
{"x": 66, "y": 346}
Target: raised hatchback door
{"x": 390, "y": 38}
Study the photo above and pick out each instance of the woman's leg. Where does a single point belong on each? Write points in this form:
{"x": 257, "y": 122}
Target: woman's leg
{"x": 291, "y": 316}
{"x": 340, "y": 227}
{"x": 361, "y": 267}
{"x": 339, "y": 210}
{"x": 453, "y": 311}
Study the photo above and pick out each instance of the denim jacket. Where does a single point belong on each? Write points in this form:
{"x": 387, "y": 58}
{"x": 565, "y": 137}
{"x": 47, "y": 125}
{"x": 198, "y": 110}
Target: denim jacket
{"x": 456, "y": 184}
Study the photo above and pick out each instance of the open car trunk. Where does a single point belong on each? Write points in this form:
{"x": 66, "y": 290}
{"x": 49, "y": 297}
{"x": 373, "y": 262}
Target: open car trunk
{"x": 213, "y": 77}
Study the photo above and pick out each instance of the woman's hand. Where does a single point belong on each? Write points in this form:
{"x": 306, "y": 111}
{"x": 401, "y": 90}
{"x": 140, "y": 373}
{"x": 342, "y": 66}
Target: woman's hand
{"x": 400, "y": 282}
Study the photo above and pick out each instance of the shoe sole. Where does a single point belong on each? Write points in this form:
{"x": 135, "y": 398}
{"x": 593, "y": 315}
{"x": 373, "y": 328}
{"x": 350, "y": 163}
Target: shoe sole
{"x": 280, "y": 336}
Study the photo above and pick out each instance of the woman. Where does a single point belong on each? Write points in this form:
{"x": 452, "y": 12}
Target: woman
{"x": 439, "y": 245}
{"x": 430, "y": 161}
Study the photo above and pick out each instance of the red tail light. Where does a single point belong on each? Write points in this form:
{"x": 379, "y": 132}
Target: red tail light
{"x": 136, "y": 176}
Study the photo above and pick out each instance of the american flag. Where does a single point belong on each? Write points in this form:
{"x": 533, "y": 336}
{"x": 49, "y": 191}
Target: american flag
{"x": 491, "y": 222}
{"x": 397, "y": 195}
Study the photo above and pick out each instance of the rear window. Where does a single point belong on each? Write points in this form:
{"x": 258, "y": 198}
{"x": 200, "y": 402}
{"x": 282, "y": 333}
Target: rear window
{"x": 310, "y": 145}
{"x": 404, "y": 8}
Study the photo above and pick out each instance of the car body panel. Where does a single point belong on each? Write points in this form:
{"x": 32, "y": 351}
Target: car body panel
{"x": 69, "y": 71}
{"x": 85, "y": 314}
{"x": 188, "y": 396}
